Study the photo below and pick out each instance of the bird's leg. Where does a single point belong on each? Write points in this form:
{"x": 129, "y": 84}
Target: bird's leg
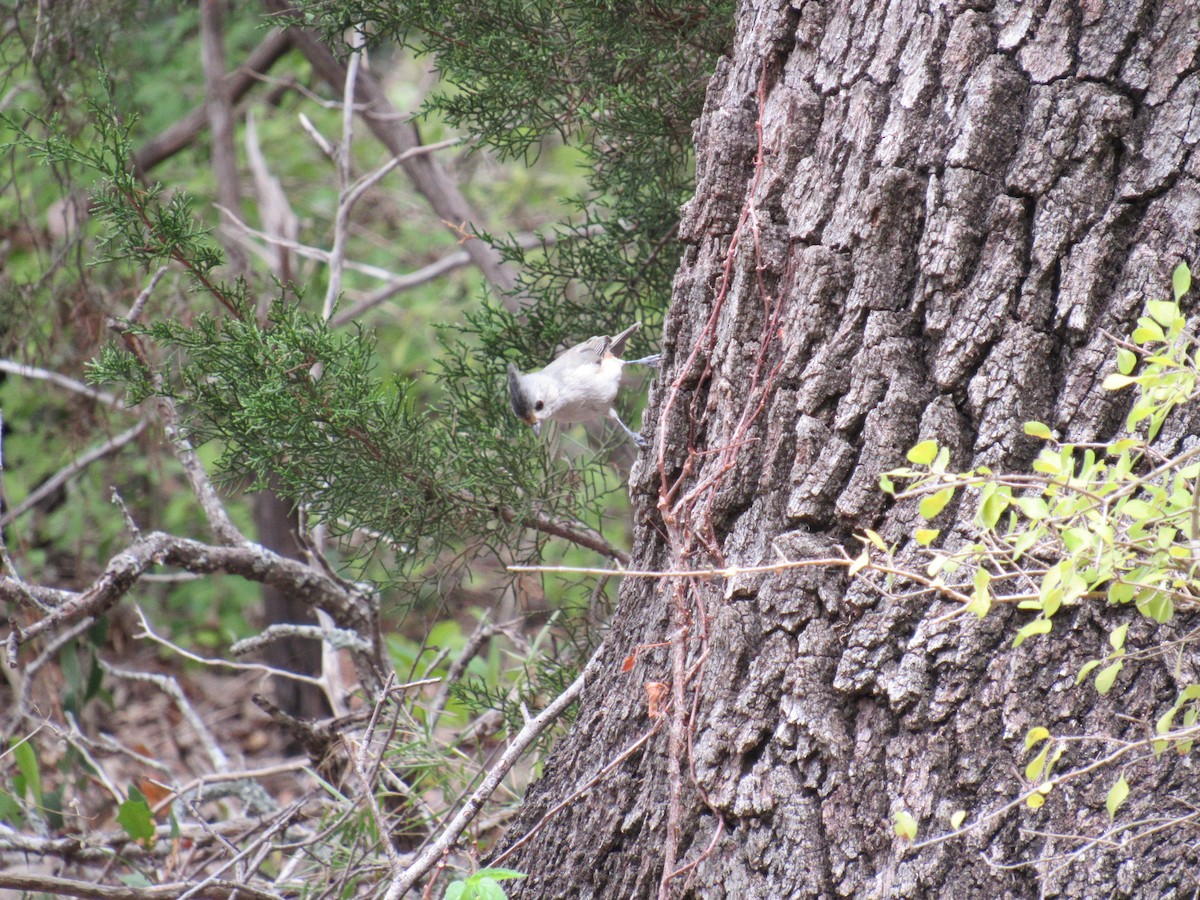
{"x": 633, "y": 435}
{"x": 651, "y": 361}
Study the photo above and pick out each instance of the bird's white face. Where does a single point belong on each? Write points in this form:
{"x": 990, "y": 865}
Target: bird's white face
{"x": 542, "y": 407}
{"x": 534, "y": 398}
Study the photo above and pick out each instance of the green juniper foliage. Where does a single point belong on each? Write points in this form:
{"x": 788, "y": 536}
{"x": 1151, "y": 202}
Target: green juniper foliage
{"x": 353, "y": 449}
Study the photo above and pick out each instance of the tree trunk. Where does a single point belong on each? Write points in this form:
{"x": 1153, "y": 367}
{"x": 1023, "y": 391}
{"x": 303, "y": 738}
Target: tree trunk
{"x": 912, "y": 220}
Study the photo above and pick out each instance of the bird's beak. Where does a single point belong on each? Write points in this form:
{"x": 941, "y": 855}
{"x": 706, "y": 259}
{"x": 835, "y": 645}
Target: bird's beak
{"x": 537, "y": 427}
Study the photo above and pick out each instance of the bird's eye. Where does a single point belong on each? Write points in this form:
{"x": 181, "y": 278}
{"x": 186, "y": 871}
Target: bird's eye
{"x": 539, "y": 406}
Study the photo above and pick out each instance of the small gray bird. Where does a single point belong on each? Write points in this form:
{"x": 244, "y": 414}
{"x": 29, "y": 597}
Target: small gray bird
{"x": 579, "y": 386}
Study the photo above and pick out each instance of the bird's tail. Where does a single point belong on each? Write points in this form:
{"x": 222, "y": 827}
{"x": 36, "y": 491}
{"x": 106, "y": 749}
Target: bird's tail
{"x": 616, "y": 344}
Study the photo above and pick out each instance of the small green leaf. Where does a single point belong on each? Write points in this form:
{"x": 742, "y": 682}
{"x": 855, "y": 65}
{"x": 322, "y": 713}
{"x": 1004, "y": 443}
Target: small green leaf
{"x": 1034, "y": 508}
{"x": 887, "y": 485}
{"x": 27, "y": 764}
{"x": 860, "y": 563}
{"x": 979, "y": 606}
{"x": 1038, "y": 430}
{"x": 943, "y": 460}
{"x": 1086, "y": 668}
{"x": 1033, "y": 735}
{"x": 1037, "y": 765}
{"x": 935, "y": 503}
{"x": 1116, "y": 638}
{"x": 455, "y": 890}
{"x": 1037, "y": 626}
{"x": 1156, "y": 605}
{"x": 874, "y": 538}
{"x": 1164, "y": 312}
{"x": 1052, "y": 603}
{"x": 1138, "y": 510}
{"x": 1116, "y": 796}
{"x": 487, "y": 889}
{"x": 922, "y": 454}
{"x": 1126, "y": 360}
{"x": 992, "y": 504}
{"x": 135, "y": 817}
{"x": 1147, "y": 331}
{"x": 1120, "y": 592}
{"x": 956, "y": 820}
{"x": 1116, "y": 381}
{"x": 1181, "y": 280}
{"x": 1104, "y": 681}
{"x": 906, "y": 826}
{"x": 926, "y": 536}
{"x": 500, "y": 874}
{"x": 1035, "y": 800}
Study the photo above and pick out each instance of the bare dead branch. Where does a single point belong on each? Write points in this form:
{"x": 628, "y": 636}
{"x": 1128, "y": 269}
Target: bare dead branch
{"x": 350, "y": 198}
{"x": 398, "y": 283}
{"x": 237, "y": 83}
{"x": 341, "y": 161}
{"x": 67, "y": 887}
{"x": 568, "y": 531}
{"x": 274, "y": 211}
{"x": 218, "y": 107}
{"x": 63, "y": 381}
{"x": 73, "y": 468}
{"x": 399, "y": 135}
{"x": 517, "y": 746}
{"x": 214, "y": 510}
{"x": 135, "y": 311}
{"x": 251, "y": 561}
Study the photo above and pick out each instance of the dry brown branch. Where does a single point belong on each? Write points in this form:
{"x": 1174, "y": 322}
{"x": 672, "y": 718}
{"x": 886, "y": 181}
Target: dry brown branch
{"x": 251, "y": 561}
{"x": 70, "y": 384}
{"x": 218, "y": 107}
{"x": 68, "y": 887}
{"x": 236, "y": 84}
{"x": 568, "y": 531}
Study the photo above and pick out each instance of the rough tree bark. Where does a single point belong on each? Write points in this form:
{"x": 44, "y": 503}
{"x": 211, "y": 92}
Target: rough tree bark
{"x": 913, "y": 219}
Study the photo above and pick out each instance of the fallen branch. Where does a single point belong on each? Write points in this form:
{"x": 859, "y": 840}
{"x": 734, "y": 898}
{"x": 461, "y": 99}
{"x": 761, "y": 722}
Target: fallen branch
{"x": 68, "y": 887}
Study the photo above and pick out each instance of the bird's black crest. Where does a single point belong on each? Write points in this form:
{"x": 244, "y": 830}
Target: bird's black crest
{"x": 516, "y": 395}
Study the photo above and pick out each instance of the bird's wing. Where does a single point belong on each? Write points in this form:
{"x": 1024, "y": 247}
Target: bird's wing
{"x": 592, "y": 351}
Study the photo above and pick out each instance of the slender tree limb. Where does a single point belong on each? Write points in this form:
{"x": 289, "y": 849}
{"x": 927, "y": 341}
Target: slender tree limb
{"x": 214, "y": 510}
{"x": 251, "y": 561}
{"x": 576, "y": 534}
{"x": 341, "y": 162}
{"x": 219, "y": 107}
{"x": 63, "y": 381}
{"x": 67, "y": 887}
{"x": 458, "y": 259}
{"x": 73, "y": 468}
{"x": 274, "y": 211}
